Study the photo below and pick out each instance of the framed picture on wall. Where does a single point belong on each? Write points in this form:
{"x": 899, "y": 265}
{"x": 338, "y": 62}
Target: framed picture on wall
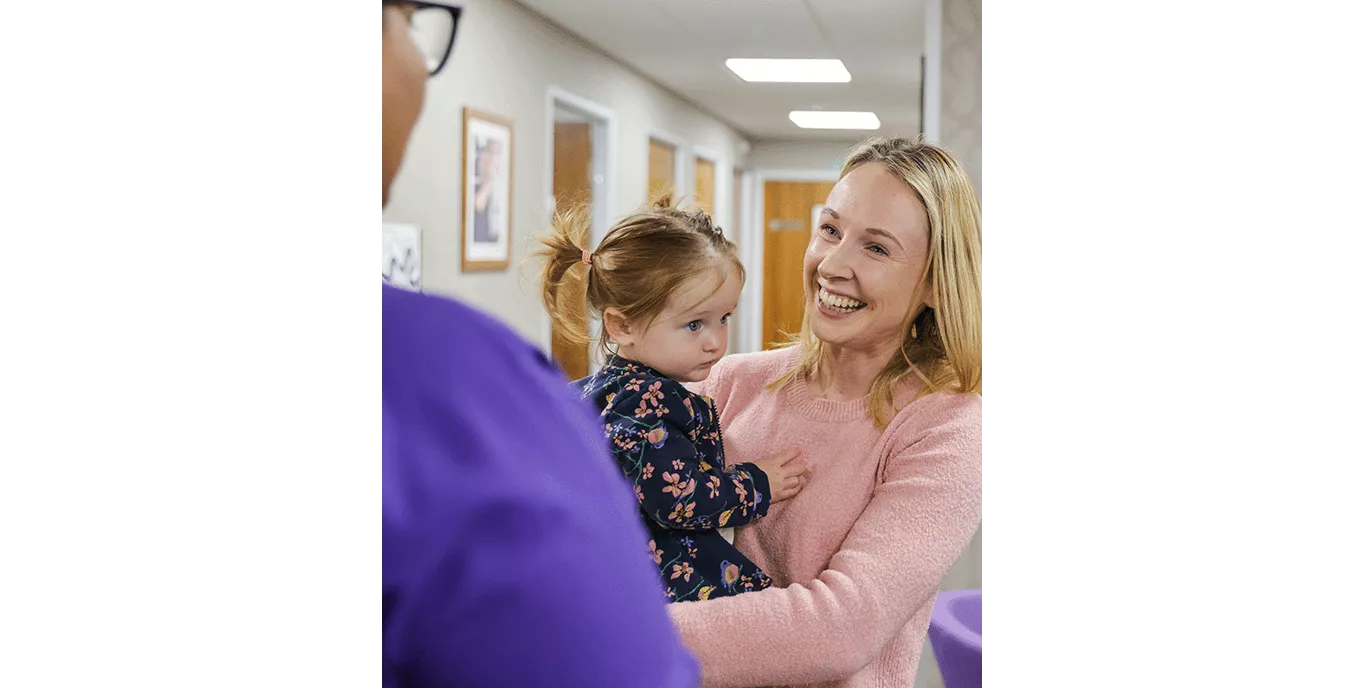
{"x": 486, "y": 191}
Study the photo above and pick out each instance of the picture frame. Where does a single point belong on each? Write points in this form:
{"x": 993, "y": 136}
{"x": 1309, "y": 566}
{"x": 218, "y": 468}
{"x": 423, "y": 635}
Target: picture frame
{"x": 486, "y": 190}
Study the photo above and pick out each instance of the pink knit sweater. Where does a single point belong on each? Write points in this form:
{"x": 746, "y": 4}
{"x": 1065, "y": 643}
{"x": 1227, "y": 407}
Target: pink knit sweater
{"x": 859, "y": 554}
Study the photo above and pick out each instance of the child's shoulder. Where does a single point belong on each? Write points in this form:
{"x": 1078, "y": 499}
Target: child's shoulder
{"x": 626, "y": 381}
{"x": 637, "y": 377}
{"x": 643, "y": 393}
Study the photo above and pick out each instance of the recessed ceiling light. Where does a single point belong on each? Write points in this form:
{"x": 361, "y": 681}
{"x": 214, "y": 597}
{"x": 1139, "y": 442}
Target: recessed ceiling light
{"x": 789, "y": 71}
{"x": 820, "y": 119}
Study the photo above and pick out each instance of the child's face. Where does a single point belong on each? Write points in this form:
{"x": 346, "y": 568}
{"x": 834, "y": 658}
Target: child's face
{"x": 692, "y": 333}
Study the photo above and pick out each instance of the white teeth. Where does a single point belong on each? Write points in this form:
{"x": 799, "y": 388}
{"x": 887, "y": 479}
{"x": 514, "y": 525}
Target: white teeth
{"x": 840, "y": 303}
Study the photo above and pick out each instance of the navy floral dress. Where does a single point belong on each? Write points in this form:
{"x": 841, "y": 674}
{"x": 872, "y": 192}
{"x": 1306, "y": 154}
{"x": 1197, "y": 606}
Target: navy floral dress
{"x": 666, "y": 440}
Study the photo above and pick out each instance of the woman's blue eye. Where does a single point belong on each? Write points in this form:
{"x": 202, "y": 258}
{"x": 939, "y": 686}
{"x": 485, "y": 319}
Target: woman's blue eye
{"x": 878, "y": 249}
{"x": 694, "y": 325}
{"x": 829, "y": 230}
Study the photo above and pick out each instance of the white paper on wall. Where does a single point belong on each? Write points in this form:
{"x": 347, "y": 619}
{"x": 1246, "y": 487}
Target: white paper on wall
{"x": 402, "y": 259}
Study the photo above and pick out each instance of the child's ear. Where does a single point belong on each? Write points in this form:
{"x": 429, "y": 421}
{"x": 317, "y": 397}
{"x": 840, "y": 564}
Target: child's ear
{"x": 617, "y": 327}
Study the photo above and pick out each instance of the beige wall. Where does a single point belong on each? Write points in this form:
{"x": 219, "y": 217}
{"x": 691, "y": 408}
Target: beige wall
{"x": 505, "y": 60}
{"x": 798, "y": 155}
{"x": 961, "y": 129}
{"x": 961, "y": 84}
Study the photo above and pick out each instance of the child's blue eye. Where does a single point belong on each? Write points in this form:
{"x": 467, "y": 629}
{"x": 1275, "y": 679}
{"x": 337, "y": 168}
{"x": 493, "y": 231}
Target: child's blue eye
{"x": 694, "y": 326}
{"x": 724, "y": 320}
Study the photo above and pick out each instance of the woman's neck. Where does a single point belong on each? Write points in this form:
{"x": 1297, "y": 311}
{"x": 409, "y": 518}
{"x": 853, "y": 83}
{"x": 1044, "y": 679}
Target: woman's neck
{"x": 846, "y": 374}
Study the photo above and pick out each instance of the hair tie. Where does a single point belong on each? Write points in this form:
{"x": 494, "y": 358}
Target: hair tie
{"x": 587, "y": 257}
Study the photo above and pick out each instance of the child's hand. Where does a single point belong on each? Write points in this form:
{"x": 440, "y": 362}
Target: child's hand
{"x": 786, "y": 476}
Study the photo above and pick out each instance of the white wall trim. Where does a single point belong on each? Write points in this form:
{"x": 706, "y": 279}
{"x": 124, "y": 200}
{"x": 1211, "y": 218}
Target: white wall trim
{"x": 755, "y": 249}
{"x": 800, "y": 175}
{"x": 604, "y": 213}
{"x": 747, "y": 338}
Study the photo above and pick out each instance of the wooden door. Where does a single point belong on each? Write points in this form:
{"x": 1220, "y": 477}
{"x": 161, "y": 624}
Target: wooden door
{"x": 572, "y": 188}
{"x": 662, "y": 169}
{"x": 789, "y": 226}
{"x": 705, "y": 185}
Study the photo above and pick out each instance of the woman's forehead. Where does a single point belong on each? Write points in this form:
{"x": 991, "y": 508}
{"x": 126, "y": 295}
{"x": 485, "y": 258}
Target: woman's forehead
{"x": 871, "y": 196}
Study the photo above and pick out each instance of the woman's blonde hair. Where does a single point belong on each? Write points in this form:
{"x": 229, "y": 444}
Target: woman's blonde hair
{"x": 944, "y": 345}
{"x": 642, "y": 260}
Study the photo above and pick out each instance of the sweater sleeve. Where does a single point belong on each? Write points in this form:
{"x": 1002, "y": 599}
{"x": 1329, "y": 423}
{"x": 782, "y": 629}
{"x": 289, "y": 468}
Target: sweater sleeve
{"x": 679, "y": 488}
{"x": 924, "y": 511}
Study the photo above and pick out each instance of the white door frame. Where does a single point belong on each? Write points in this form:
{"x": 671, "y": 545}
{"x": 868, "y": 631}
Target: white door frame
{"x": 604, "y": 158}
{"x": 747, "y": 339}
{"x": 754, "y": 248}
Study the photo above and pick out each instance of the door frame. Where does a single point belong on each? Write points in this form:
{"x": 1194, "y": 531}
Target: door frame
{"x": 604, "y": 158}
{"x": 750, "y": 304}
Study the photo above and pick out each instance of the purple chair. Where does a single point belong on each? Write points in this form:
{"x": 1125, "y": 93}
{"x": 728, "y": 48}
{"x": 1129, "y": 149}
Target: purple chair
{"x": 957, "y": 637}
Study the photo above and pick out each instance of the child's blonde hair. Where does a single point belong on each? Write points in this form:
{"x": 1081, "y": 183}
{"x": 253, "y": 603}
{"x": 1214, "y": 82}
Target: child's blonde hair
{"x": 640, "y": 262}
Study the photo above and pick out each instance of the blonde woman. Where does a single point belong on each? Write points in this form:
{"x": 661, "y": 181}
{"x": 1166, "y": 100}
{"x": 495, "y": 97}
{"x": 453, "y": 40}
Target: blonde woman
{"x": 881, "y": 393}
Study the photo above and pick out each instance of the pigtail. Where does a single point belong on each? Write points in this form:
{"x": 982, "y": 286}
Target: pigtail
{"x": 564, "y": 272}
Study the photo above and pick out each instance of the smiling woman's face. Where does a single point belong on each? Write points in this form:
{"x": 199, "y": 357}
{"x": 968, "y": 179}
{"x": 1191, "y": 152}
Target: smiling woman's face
{"x": 867, "y": 256}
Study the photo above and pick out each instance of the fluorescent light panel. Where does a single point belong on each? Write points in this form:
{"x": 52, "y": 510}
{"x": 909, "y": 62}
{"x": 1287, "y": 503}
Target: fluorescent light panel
{"x": 820, "y": 119}
{"x": 789, "y": 71}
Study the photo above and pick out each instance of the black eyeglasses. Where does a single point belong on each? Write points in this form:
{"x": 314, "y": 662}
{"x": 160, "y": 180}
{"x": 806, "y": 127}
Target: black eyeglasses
{"x": 433, "y": 29}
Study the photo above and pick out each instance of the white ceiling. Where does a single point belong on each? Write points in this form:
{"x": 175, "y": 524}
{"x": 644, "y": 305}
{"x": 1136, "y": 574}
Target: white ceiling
{"x": 682, "y": 44}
